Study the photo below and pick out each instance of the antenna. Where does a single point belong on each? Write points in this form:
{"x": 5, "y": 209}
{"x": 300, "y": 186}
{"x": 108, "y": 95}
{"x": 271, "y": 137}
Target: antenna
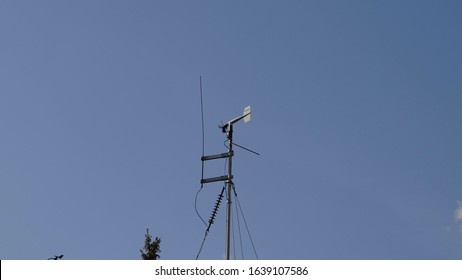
{"x": 203, "y": 151}
{"x": 228, "y": 179}
{"x": 202, "y": 117}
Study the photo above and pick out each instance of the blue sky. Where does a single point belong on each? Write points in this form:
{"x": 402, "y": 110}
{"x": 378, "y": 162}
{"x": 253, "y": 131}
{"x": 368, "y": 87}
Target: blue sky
{"x": 356, "y": 113}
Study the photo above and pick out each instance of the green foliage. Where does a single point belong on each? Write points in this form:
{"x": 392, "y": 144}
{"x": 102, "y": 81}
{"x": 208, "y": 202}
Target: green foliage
{"x": 151, "y": 248}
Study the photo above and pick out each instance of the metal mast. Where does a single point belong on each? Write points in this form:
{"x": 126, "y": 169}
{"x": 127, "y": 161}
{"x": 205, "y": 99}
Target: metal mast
{"x": 229, "y": 183}
{"x": 228, "y": 129}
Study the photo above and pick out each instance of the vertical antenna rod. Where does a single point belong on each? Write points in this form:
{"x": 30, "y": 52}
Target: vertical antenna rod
{"x": 203, "y": 133}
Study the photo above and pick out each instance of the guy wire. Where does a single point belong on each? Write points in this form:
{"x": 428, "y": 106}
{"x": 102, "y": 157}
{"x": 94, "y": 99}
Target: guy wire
{"x": 232, "y": 229}
{"x": 238, "y": 225}
{"x": 245, "y": 222}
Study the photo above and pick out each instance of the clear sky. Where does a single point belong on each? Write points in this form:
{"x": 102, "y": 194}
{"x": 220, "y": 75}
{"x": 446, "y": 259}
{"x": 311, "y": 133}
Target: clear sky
{"x": 356, "y": 111}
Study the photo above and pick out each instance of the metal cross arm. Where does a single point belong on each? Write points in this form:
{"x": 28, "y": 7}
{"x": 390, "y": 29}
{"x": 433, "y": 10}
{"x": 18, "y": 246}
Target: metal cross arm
{"x": 217, "y": 156}
{"x": 216, "y": 179}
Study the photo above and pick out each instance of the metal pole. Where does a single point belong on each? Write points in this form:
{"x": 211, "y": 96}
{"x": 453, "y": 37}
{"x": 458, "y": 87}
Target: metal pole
{"x": 230, "y": 182}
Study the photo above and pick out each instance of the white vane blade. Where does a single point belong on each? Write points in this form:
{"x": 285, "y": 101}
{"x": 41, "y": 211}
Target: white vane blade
{"x": 247, "y": 114}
